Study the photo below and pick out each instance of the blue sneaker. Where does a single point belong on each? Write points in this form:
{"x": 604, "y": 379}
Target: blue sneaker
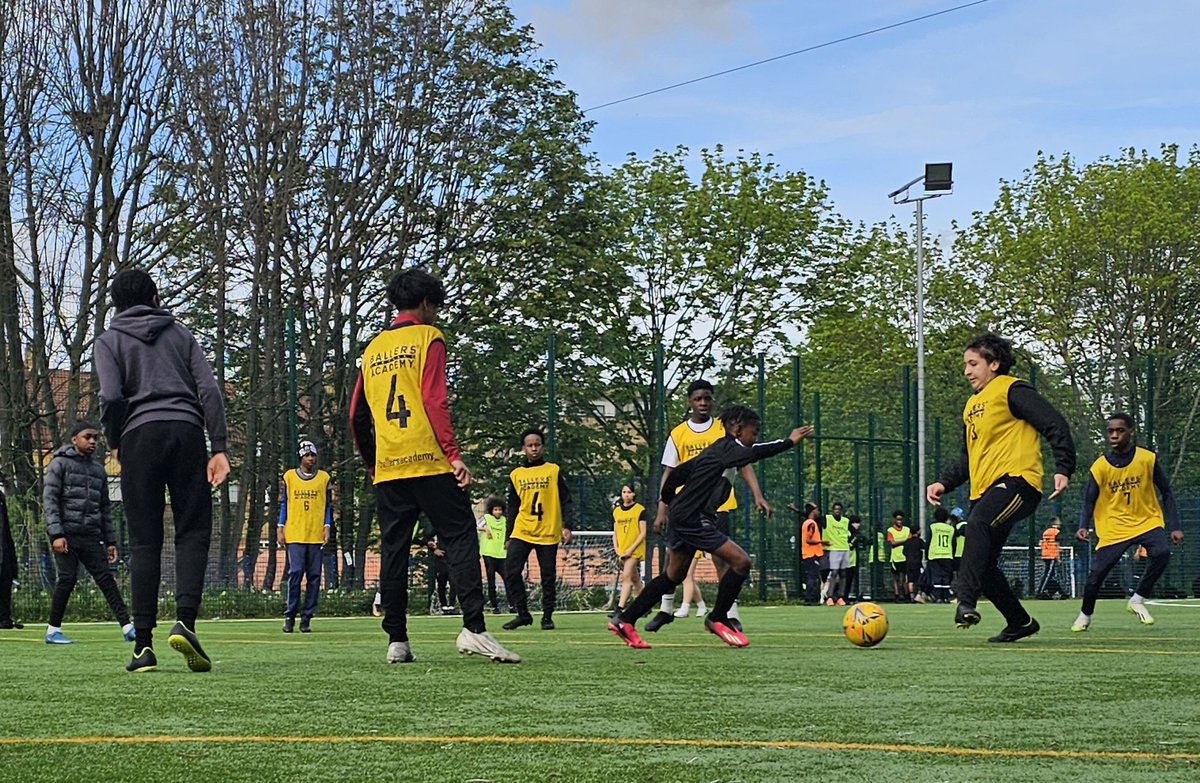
{"x": 58, "y": 637}
{"x": 130, "y": 635}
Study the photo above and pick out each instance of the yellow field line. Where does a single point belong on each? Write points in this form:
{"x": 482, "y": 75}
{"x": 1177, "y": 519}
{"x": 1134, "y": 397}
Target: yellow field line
{"x": 935, "y": 750}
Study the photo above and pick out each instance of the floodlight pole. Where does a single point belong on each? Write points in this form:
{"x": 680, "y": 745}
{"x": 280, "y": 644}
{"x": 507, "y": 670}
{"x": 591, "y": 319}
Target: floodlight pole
{"x": 900, "y": 196}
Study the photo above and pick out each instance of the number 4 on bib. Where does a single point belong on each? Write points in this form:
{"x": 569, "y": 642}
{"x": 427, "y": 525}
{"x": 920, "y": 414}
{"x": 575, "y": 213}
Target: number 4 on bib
{"x": 396, "y": 410}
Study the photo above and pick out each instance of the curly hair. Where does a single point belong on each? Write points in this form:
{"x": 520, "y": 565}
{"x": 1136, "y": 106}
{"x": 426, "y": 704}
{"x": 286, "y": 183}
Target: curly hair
{"x": 735, "y": 415}
{"x": 994, "y": 348}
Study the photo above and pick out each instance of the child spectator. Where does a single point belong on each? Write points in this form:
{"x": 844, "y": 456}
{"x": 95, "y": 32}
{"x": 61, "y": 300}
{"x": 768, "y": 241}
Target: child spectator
{"x": 79, "y": 525}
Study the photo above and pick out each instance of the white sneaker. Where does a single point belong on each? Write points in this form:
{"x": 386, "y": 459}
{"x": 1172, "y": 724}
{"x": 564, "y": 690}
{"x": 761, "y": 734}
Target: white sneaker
{"x": 1143, "y": 614}
{"x": 400, "y": 652}
{"x": 1082, "y": 623}
{"x": 683, "y": 611}
{"x": 471, "y": 643}
{"x": 701, "y": 610}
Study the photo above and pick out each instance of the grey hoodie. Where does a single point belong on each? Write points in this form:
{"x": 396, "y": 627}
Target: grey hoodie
{"x": 152, "y": 369}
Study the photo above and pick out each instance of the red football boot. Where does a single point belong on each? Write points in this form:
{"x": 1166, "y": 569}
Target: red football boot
{"x": 628, "y": 634}
{"x": 725, "y": 633}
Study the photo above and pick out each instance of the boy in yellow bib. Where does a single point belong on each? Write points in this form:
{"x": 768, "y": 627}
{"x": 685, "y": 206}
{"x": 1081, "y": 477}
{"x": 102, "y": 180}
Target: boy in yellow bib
{"x": 1002, "y": 458}
{"x": 400, "y": 417}
{"x": 1119, "y": 502}
{"x": 686, "y": 441}
{"x": 305, "y": 517}
{"x": 539, "y": 513}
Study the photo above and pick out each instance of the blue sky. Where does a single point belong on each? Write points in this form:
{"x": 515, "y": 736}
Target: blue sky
{"x": 985, "y": 87}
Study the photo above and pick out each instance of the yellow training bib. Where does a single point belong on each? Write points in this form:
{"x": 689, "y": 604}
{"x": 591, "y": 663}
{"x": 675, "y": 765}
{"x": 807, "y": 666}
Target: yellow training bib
{"x": 998, "y": 443}
{"x": 539, "y": 520}
{"x": 306, "y": 500}
{"x": 689, "y": 443}
{"x": 392, "y": 368}
{"x": 626, "y": 527}
{"x": 1128, "y": 505}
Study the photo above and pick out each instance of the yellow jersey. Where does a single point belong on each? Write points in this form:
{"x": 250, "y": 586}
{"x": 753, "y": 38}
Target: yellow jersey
{"x": 627, "y": 526}
{"x": 688, "y": 443}
{"x": 1127, "y": 505}
{"x": 306, "y": 501}
{"x": 899, "y": 537}
{"x": 998, "y": 443}
{"x": 392, "y": 368}
{"x": 539, "y": 517}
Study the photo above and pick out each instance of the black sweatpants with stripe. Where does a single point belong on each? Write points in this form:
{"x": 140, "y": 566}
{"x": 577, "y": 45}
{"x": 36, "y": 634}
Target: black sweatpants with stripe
{"x": 991, "y": 519}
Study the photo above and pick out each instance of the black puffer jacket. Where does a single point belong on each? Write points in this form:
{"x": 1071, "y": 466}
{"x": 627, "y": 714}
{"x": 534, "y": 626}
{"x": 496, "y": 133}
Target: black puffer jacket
{"x": 75, "y": 497}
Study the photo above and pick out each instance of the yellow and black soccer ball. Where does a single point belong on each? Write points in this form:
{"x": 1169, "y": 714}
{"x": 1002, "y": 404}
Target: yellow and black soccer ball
{"x": 865, "y": 624}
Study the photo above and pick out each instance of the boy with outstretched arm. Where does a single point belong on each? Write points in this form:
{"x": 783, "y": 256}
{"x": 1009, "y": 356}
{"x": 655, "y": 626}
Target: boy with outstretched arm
{"x": 693, "y": 492}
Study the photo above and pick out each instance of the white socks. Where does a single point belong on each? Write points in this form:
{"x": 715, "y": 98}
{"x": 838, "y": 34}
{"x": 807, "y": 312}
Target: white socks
{"x": 733, "y": 612}
{"x": 1135, "y": 599}
{"x": 668, "y": 603}
{"x": 52, "y": 629}
{"x": 683, "y": 610}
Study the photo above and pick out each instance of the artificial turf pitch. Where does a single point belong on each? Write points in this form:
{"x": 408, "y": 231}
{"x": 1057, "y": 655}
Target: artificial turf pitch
{"x": 931, "y": 703}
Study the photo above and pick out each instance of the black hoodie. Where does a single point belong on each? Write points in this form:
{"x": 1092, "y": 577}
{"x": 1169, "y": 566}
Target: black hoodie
{"x": 152, "y": 369}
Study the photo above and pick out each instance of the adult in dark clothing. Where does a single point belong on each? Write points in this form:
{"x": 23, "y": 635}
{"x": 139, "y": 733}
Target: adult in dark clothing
{"x": 158, "y": 395}
{"x": 1002, "y": 458}
{"x": 79, "y": 526}
{"x": 8, "y": 568}
{"x": 694, "y": 491}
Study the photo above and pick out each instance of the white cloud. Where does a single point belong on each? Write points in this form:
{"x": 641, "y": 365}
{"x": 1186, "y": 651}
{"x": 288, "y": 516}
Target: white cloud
{"x": 630, "y": 31}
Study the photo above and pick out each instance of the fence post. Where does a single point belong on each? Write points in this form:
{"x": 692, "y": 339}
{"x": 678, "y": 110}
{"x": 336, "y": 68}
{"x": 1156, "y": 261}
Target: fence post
{"x": 872, "y": 505}
{"x": 293, "y": 401}
{"x": 906, "y": 448}
{"x": 818, "y": 482}
{"x": 762, "y": 482}
{"x": 798, "y": 467}
{"x": 657, "y": 437}
{"x": 552, "y": 397}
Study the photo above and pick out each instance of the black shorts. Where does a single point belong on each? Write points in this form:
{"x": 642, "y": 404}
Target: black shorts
{"x": 722, "y": 523}
{"x": 899, "y": 568}
{"x": 705, "y": 537}
{"x": 914, "y": 571}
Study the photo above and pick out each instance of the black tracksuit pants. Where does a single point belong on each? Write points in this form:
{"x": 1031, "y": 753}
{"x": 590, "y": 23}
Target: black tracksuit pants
{"x": 812, "y": 580}
{"x": 991, "y": 519}
{"x": 514, "y": 579}
{"x": 92, "y": 554}
{"x": 8, "y": 565}
{"x": 156, "y": 457}
{"x": 1158, "y": 551}
{"x": 493, "y": 566}
{"x": 399, "y": 502}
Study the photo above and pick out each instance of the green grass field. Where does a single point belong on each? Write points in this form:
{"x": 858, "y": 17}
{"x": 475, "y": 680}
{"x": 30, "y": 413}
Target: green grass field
{"x": 931, "y": 703}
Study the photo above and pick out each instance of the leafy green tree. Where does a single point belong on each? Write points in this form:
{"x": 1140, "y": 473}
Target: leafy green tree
{"x": 1095, "y": 267}
{"x": 716, "y": 266}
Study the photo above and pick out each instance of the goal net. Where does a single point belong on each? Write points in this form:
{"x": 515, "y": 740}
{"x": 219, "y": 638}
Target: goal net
{"x": 1016, "y": 562}
{"x": 589, "y": 573}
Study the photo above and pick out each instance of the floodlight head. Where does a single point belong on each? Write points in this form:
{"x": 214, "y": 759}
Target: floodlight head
{"x": 938, "y": 177}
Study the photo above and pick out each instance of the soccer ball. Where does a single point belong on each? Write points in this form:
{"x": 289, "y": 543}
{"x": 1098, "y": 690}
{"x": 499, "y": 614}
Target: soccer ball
{"x": 865, "y": 624}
